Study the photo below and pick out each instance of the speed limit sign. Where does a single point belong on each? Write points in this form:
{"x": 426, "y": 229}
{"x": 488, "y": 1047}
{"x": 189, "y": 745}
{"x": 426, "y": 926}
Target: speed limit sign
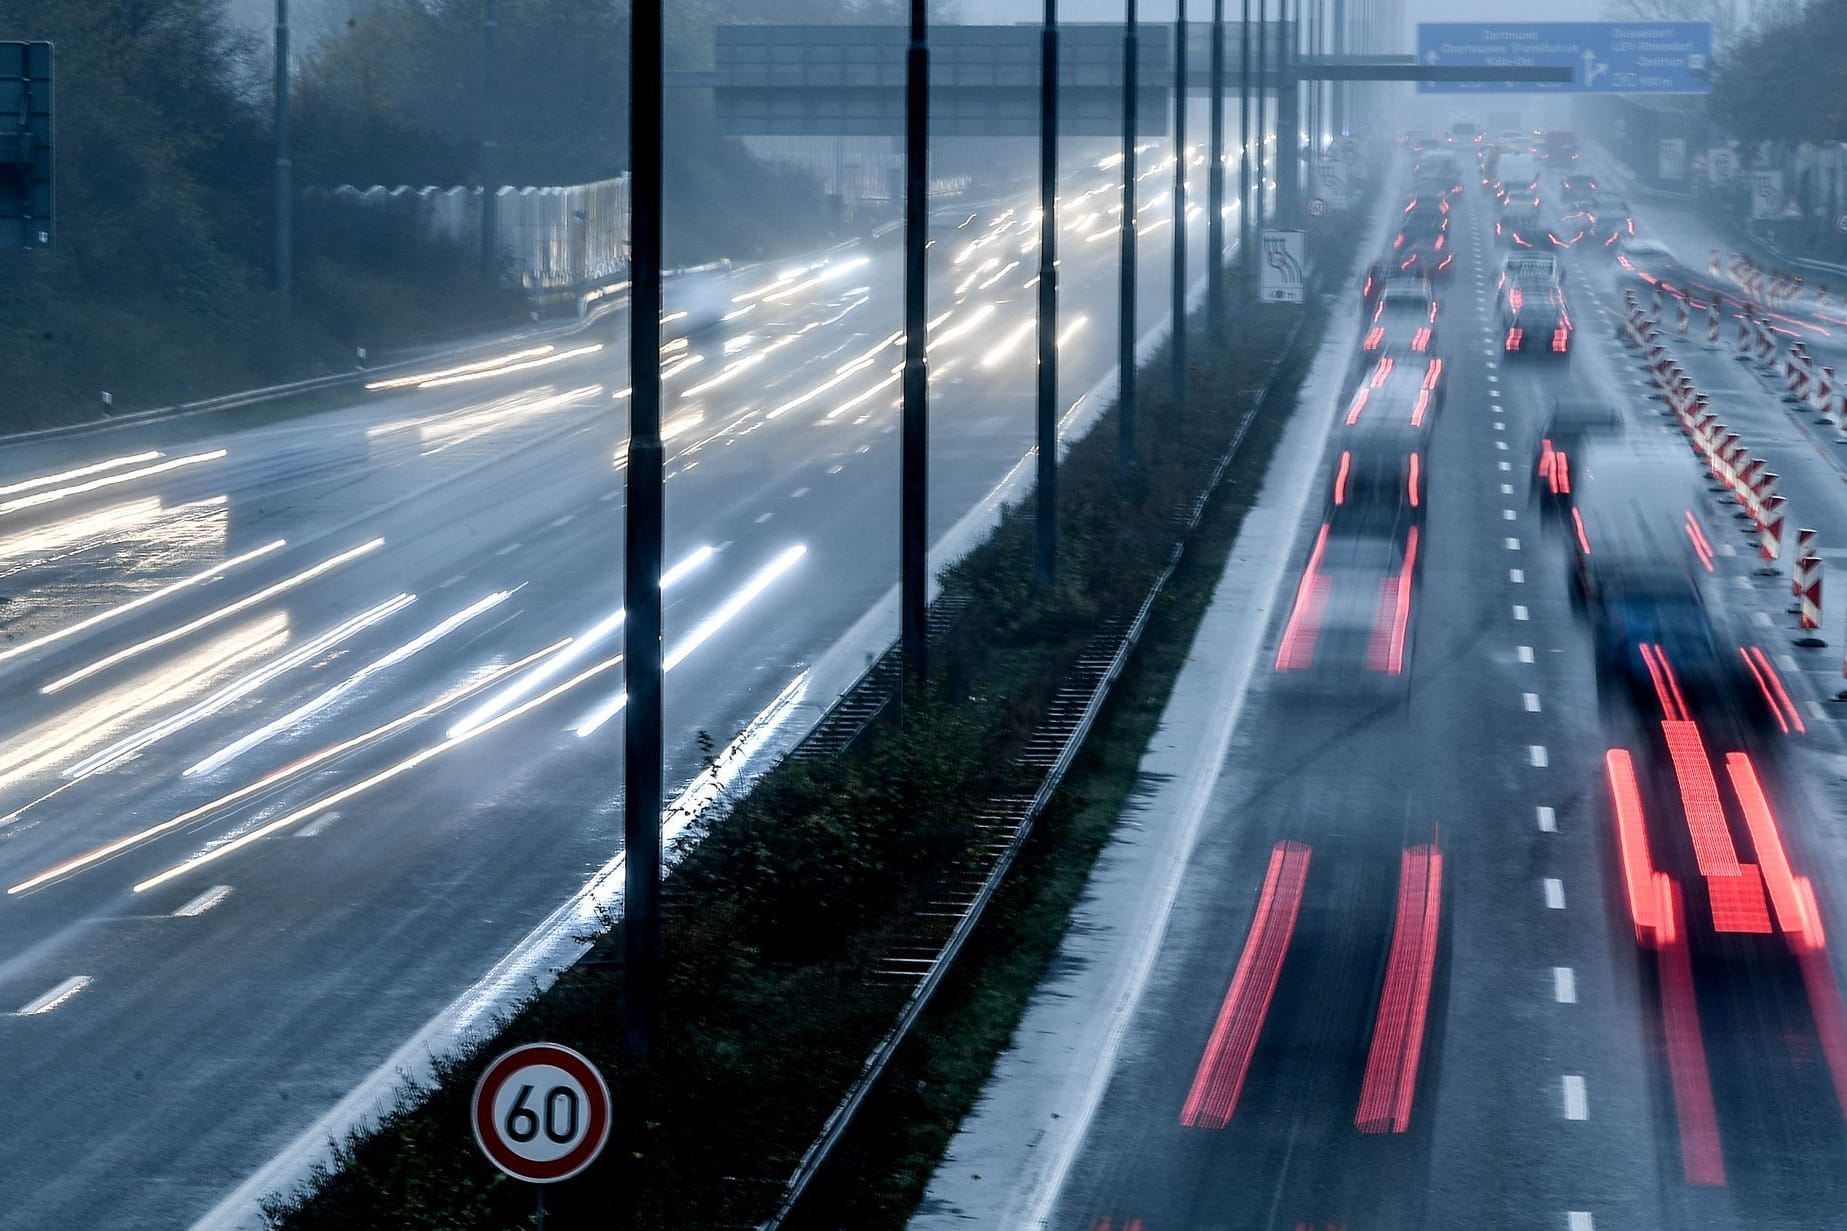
{"x": 541, "y": 1113}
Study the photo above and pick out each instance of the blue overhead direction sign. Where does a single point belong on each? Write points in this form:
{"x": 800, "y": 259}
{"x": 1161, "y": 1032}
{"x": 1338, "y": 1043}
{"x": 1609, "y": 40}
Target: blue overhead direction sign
{"x": 1607, "y": 57}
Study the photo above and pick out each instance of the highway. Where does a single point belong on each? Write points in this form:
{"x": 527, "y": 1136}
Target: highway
{"x": 312, "y": 724}
{"x": 1369, "y": 951}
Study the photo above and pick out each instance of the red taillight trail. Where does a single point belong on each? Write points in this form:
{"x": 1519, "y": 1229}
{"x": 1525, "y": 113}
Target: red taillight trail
{"x": 1390, "y": 1085}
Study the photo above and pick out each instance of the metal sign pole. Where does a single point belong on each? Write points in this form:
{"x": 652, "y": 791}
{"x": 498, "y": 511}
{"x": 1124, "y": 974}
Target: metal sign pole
{"x": 1177, "y": 376}
{"x": 1263, "y": 56}
{"x": 490, "y": 147}
{"x": 642, "y": 744}
{"x": 1215, "y": 183}
{"x": 1047, "y": 505}
{"x": 913, "y": 558}
{"x": 1246, "y": 259}
{"x": 285, "y": 256}
{"x": 1125, "y": 316}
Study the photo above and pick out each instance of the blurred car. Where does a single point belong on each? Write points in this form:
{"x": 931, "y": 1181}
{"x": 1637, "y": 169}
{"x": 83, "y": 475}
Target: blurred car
{"x": 1384, "y": 275}
{"x": 1351, "y": 615}
{"x": 1560, "y": 146}
{"x": 1438, "y": 168}
{"x": 1401, "y": 322}
{"x": 1572, "y": 427}
{"x": 1576, "y": 188}
{"x": 1465, "y": 132}
{"x": 1422, "y": 243}
{"x": 1535, "y": 319}
{"x": 1517, "y": 225}
{"x": 1397, "y": 402}
{"x": 1530, "y": 267}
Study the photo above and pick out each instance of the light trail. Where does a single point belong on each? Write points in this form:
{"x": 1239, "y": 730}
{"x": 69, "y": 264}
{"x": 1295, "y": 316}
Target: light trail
{"x": 37, "y": 499}
{"x": 154, "y": 596}
{"x": 129, "y": 745}
{"x": 212, "y": 617}
{"x": 700, "y": 635}
{"x": 276, "y": 777}
{"x": 81, "y": 472}
{"x": 301, "y": 713}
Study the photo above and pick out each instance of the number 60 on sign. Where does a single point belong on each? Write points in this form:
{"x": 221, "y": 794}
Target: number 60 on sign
{"x": 541, "y": 1113}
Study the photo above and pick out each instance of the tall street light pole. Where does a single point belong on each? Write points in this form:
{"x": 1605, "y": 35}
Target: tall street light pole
{"x": 1247, "y": 260}
{"x": 1047, "y": 505}
{"x": 914, "y": 461}
{"x": 490, "y": 146}
{"x": 285, "y": 255}
{"x": 642, "y": 743}
{"x": 1125, "y": 316}
{"x": 1263, "y": 55}
{"x": 1177, "y": 377}
{"x": 1215, "y": 184}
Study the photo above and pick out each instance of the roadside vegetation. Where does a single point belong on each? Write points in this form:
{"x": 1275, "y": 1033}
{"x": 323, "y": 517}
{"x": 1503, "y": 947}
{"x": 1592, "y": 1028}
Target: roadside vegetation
{"x": 788, "y": 898}
{"x": 160, "y": 286}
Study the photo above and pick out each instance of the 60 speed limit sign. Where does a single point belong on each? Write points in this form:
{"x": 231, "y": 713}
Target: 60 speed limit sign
{"x": 541, "y": 1113}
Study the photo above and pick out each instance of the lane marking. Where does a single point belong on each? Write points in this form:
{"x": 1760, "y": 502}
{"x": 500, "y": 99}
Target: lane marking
{"x": 765, "y": 517}
{"x": 1531, "y": 701}
{"x": 1577, "y": 1106}
{"x": 509, "y": 549}
{"x": 1501, "y": 445}
{"x": 1536, "y": 753}
{"x": 1507, "y": 489}
{"x": 1564, "y": 985}
{"x": 836, "y": 468}
{"x": 1513, "y": 544}
{"x": 1520, "y": 612}
{"x": 1555, "y": 893}
{"x": 319, "y": 825}
{"x": 1499, "y": 426}
{"x": 1509, "y": 515}
{"x": 566, "y": 520}
{"x": 204, "y": 902}
{"x": 1517, "y": 576}
{"x": 1548, "y": 819}
{"x": 798, "y": 493}
{"x": 1525, "y": 653}
{"x": 455, "y": 580}
{"x": 53, "y": 998}
{"x": 1507, "y": 465}
{"x": 1579, "y": 1220}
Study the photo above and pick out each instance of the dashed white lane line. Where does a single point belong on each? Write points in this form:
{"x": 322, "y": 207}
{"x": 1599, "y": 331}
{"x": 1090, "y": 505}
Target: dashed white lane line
{"x": 1507, "y": 489}
{"x": 1531, "y": 701}
{"x": 1788, "y": 663}
{"x": 509, "y": 549}
{"x": 1517, "y": 576}
{"x": 798, "y": 493}
{"x": 835, "y": 469}
{"x": 1536, "y": 753}
{"x": 1509, "y": 515}
{"x": 1493, "y": 379}
{"x": 566, "y": 520}
{"x": 1564, "y": 985}
{"x": 1520, "y": 613}
{"x": 1507, "y": 465}
{"x": 53, "y": 998}
{"x": 1501, "y": 445}
{"x": 1577, "y": 1105}
{"x": 1726, "y": 549}
{"x": 1763, "y": 617}
{"x": 765, "y": 517}
{"x": 1513, "y": 544}
{"x": 1499, "y": 426}
{"x": 1548, "y": 819}
{"x": 458, "y": 578}
{"x": 204, "y": 902}
{"x": 1817, "y": 712}
{"x": 1555, "y": 893}
{"x": 1525, "y": 653}
{"x": 1579, "y": 1220}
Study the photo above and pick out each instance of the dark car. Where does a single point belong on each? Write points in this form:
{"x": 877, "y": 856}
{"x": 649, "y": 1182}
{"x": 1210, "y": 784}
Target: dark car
{"x": 1384, "y": 275}
{"x": 1535, "y": 319}
{"x": 1396, "y": 402}
{"x": 1401, "y": 322}
{"x": 1560, "y": 146}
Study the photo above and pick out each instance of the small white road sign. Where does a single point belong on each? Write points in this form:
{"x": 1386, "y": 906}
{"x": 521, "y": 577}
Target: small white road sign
{"x": 1285, "y": 257}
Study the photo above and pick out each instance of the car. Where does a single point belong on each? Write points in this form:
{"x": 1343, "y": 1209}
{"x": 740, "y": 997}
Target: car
{"x": 1422, "y": 244}
{"x": 1560, "y": 146}
{"x": 1572, "y": 427}
{"x": 1611, "y": 219}
{"x": 1401, "y": 322}
{"x": 1518, "y": 224}
{"x": 1397, "y": 402}
{"x": 1536, "y": 318}
{"x": 1439, "y": 168}
{"x": 1384, "y": 275}
{"x": 1576, "y": 188}
{"x": 1465, "y": 132}
{"x": 1530, "y": 267}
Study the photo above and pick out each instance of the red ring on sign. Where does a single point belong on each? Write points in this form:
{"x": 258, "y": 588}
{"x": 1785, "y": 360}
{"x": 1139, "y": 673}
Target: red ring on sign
{"x": 487, "y": 1133}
